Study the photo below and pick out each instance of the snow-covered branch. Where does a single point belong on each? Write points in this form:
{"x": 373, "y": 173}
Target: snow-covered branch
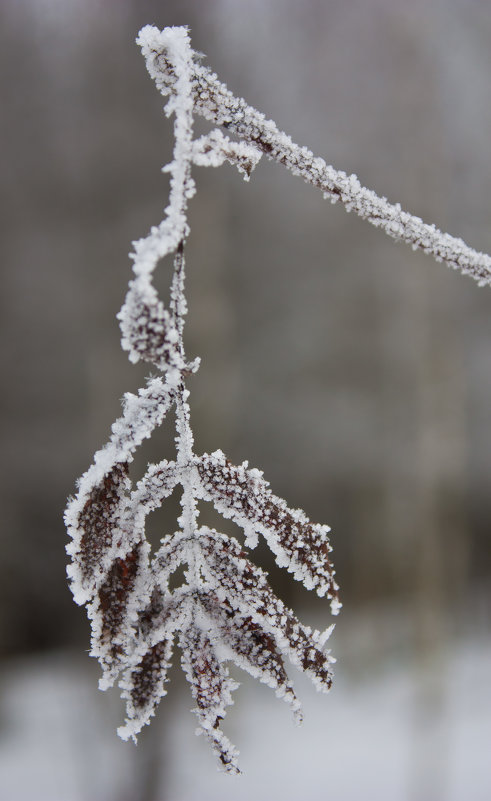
{"x": 216, "y": 103}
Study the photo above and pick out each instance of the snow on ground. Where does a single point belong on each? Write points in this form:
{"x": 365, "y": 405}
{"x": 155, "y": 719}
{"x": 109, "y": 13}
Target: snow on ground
{"x": 394, "y": 730}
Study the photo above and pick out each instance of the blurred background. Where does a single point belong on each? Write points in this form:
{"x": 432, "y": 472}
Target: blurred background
{"x": 353, "y": 371}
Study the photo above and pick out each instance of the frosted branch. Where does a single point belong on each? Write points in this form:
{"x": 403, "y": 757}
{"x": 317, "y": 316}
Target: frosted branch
{"x": 212, "y": 100}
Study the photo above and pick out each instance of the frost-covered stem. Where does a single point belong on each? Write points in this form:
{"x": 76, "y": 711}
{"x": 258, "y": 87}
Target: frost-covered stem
{"x": 184, "y": 436}
{"x": 146, "y": 333}
{"x": 178, "y": 306}
{"x": 185, "y": 460}
{"x": 166, "y": 237}
{"x": 216, "y": 103}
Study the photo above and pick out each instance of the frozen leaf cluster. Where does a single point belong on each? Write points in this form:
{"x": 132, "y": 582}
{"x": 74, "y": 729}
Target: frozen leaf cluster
{"x": 224, "y": 611}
